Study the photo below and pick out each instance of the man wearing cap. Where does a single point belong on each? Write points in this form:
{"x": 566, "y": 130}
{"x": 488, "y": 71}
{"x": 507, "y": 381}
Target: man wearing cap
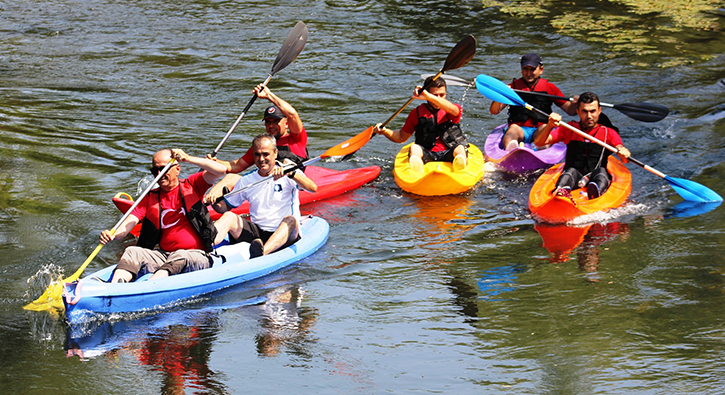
{"x": 283, "y": 123}
{"x": 523, "y": 123}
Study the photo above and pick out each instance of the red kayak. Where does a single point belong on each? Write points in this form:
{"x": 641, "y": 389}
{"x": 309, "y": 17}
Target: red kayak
{"x": 329, "y": 183}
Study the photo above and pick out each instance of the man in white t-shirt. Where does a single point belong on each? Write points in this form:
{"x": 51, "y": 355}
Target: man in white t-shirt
{"x": 274, "y": 205}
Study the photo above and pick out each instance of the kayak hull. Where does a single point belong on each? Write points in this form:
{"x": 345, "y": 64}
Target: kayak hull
{"x": 523, "y": 159}
{"x": 546, "y": 207}
{"x": 329, "y": 183}
{"x": 438, "y": 178}
{"x": 232, "y": 266}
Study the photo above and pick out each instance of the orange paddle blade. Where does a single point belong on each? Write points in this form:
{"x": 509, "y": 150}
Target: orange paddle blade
{"x": 351, "y": 145}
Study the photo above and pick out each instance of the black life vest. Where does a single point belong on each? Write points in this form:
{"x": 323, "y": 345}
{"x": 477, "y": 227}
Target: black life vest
{"x": 284, "y": 152}
{"x": 428, "y": 129}
{"x": 197, "y": 214}
{"x": 584, "y": 156}
{"x": 519, "y": 114}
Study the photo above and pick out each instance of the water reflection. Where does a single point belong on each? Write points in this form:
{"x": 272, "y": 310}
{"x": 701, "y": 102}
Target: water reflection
{"x": 285, "y": 324}
{"x": 178, "y": 344}
{"x": 562, "y": 241}
{"x": 441, "y": 218}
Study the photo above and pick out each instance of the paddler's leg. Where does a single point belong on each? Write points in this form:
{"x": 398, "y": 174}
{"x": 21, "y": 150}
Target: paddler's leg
{"x": 567, "y": 181}
{"x": 183, "y": 261}
{"x": 286, "y": 234}
{"x": 415, "y": 158}
{"x": 514, "y": 134}
{"x": 598, "y": 183}
{"x": 459, "y": 158}
{"x": 133, "y": 260}
{"x": 228, "y": 223}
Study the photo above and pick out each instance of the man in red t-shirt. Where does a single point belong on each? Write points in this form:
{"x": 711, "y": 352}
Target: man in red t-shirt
{"x": 281, "y": 121}
{"x": 522, "y": 123}
{"x": 438, "y": 136}
{"x": 586, "y": 161}
{"x": 164, "y": 212}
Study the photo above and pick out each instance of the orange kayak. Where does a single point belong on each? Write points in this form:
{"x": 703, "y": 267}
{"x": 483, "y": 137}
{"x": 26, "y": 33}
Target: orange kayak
{"x": 546, "y": 207}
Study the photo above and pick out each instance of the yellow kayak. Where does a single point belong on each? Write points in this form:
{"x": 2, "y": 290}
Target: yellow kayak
{"x": 438, "y": 178}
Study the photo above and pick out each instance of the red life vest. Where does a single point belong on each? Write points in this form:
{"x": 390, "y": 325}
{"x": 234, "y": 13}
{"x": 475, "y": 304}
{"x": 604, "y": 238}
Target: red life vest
{"x": 196, "y": 213}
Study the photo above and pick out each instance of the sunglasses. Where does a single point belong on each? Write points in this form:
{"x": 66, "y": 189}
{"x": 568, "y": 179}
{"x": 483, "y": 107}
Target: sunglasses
{"x": 156, "y": 169}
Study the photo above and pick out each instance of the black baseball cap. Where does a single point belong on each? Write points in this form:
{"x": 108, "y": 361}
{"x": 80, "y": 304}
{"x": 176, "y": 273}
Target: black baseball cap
{"x": 531, "y": 59}
{"x": 273, "y": 112}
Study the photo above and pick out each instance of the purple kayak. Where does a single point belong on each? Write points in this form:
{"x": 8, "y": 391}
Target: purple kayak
{"x": 523, "y": 159}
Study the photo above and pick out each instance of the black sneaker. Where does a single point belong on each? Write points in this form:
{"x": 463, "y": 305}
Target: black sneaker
{"x": 256, "y": 248}
{"x": 593, "y": 190}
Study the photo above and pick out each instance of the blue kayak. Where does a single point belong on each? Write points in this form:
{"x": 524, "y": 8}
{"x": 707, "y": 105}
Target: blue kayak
{"x": 92, "y": 294}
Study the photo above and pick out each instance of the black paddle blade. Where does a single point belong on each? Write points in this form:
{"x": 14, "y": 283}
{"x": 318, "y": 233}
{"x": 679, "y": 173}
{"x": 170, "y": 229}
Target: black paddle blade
{"x": 645, "y": 112}
{"x": 291, "y": 47}
{"x": 461, "y": 54}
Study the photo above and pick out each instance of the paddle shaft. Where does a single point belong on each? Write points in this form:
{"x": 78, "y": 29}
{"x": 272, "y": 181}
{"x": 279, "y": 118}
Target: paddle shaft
{"x": 236, "y": 122}
{"x": 558, "y": 97}
{"x": 425, "y": 86}
{"x": 291, "y": 47}
{"x": 600, "y": 142}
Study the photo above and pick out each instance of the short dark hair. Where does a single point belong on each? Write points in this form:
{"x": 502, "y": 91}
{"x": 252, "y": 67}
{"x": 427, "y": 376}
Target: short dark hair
{"x": 587, "y": 97}
{"x": 434, "y": 83}
{"x": 258, "y": 140}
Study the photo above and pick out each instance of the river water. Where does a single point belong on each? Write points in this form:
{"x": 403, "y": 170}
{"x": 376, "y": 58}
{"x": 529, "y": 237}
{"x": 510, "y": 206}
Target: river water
{"x": 459, "y": 294}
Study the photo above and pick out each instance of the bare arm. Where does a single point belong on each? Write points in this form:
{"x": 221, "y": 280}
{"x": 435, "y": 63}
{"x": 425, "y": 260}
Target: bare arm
{"x": 570, "y": 106}
{"x": 303, "y": 181}
{"x": 496, "y": 107}
{"x": 543, "y": 137}
{"x": 213, "y": 170}
{"x": 217, "y": 190}
{"x": 623, "y": 153}
{"x": 293, "y": 118}
{"x": 396, "y": 136}
{"x": 122, "y": 231}
{"x": 440, "y": 102}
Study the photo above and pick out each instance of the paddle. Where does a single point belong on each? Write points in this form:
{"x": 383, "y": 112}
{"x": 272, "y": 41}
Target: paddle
{"x": 52, "y": 297}
{"x": 645, "y": 112}
{"x": 459, "y": 56}
{"x": 500, "y": 92}
{"x": 291, "y": 47}
{"x": 345, "y": 148}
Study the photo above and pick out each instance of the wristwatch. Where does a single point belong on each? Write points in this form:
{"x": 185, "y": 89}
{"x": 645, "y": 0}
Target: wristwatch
{"x": 292, "y": 174}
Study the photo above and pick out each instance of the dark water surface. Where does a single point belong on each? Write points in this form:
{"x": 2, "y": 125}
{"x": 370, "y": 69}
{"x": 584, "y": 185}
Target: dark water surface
{"x": 410, "y": 295}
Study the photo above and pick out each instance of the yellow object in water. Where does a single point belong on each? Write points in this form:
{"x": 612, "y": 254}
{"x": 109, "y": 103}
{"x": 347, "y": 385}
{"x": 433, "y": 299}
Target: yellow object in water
{"x": 438, "y": 178}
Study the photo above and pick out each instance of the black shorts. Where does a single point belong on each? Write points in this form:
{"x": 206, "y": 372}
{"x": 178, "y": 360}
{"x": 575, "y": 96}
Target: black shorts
{"x": 251, "y": 231}
{"x": 439, "y": 156}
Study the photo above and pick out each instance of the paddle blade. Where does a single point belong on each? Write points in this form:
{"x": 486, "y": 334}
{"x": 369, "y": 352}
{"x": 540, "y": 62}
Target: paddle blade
{"x": 692, "y": 191}
{"x": 351, "y": 145}
{"x": 461, "y": 54}
{"x": 645, "y": 112}
{"x": 51, "y": 299}
{"x": 498, "y": 91}
{"x": 291, "y": 47}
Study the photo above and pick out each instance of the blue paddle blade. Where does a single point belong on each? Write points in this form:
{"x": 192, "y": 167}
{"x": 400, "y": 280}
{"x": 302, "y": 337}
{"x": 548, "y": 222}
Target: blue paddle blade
{"x": 498, "y": 91}
{"x": 692, "y": 191}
